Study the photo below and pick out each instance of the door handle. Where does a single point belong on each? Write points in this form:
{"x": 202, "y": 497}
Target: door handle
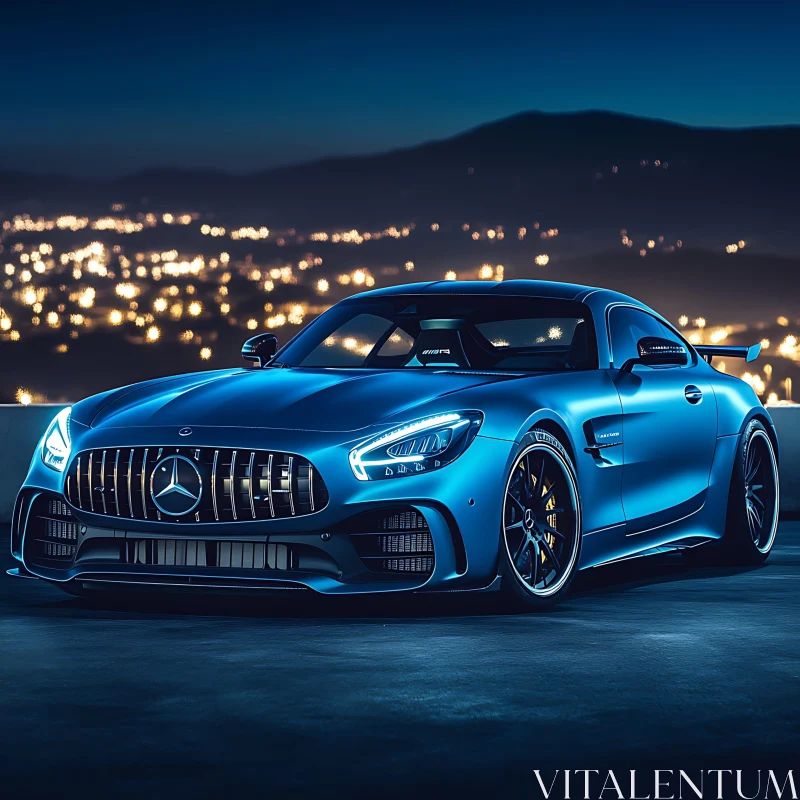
{"x": 693, "y": 394}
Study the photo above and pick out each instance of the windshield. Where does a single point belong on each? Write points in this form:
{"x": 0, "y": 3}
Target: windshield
{"x": 484, "y": 332}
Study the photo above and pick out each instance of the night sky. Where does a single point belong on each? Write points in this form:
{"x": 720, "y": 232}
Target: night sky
{"x": 107, "y": 89}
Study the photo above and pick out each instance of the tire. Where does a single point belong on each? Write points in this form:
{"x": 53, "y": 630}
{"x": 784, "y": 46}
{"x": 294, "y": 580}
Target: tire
{"x": 540, "y": 536}
{"x": 753, "y": 501}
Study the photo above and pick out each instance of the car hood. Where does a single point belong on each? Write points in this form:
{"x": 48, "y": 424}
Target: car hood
{"x": 300, "y": 399}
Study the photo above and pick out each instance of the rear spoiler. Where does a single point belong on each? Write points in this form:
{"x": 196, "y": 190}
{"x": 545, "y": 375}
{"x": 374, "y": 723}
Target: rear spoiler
{"x": 708, "y": 351}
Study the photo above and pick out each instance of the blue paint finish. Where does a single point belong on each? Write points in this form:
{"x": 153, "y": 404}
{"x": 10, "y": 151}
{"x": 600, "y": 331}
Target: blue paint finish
{"x": 668, "y": 442}
{"x": 652, "y": 467}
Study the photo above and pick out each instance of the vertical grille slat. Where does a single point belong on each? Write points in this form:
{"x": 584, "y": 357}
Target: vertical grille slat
{"x": 233, "y": 484}
{"x": 130, "y": 487}
{"x": 116, "y": 484}
{"x": 103, "y": 482}
{"x": 250, "y": 485}
{"x": 143, "y": 482}
{"x": 269, "y": 486}
{"x": 214, "y": 485}
{"x": 91, "y": 478}
{"x": 291, "y": 484}
{"x": 236, "y": 485}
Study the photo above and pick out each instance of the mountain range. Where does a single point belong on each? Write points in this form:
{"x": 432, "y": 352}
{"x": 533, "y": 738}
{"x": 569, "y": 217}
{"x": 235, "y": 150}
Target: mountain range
{"x": 585, "y": 171}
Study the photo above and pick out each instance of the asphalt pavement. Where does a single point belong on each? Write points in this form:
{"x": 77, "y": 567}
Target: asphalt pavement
{"x": 647, "y": 663}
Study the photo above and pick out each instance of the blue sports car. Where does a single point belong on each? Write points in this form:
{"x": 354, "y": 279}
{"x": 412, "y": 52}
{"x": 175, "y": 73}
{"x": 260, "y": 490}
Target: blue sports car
{"x": 434, "y": 437}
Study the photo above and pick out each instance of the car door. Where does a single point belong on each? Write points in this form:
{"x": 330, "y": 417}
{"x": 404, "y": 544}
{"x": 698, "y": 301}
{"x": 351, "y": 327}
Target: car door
{"x": 669, "y": 427}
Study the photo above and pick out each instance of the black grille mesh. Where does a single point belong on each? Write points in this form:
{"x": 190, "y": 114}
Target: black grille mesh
{"x": 52, "y": 532}
{"x": 394, "y": 541}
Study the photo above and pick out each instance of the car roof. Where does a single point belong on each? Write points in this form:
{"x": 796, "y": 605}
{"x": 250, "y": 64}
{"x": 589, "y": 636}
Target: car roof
{"x": 524, "y": 288}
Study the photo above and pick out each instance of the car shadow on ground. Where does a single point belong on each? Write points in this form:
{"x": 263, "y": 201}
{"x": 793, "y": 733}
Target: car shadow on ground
{"x": 615, "y": 578}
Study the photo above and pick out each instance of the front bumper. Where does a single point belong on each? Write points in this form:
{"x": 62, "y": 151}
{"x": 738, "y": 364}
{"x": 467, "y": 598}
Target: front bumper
{"x": 461, "y": 504}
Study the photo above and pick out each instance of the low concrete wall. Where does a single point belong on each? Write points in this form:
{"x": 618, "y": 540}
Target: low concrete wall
{"x": 787, "y": 423}
{"x": 21, "y": 427}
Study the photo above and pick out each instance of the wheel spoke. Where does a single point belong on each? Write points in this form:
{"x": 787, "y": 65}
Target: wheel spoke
{"x": 535, "y": 559}
{"x": 518, "y": 502}
{"x": 751, "y": 523}
{"x": 540, "y": 479}
{"x": 550, "y": 554}
{"x": 753, "y": 472}
{"x": 545, "y": 499}
{"x": 759, "y": 519}
{"x": 513, "y": 525}
{"x": 520, "y": 549}
{"x": 757, "y": 499}
{"x": 552, "y": 531}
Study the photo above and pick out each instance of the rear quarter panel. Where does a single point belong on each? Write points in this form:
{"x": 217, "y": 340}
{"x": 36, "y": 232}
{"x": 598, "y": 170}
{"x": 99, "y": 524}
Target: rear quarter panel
{"x": 736, "y": 403}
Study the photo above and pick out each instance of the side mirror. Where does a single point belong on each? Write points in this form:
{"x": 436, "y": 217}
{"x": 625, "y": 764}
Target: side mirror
{"x": 657, "y": 352}
{"x": 260, "y": 349}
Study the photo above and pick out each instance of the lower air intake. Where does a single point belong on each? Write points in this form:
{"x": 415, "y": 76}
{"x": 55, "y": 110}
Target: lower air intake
{"x": 394, "y": 541}
{"x": 51, "y": 536}
{"x": 198, "y": 553}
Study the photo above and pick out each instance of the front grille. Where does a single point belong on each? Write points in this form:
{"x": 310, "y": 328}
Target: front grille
{"x": 237, "y": 485}
{"x": 197, "y": 553}
{"x": 397, "y": 540}
{"x": 51, "y": 535}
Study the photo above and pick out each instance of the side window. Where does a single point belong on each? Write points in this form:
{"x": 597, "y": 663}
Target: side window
{"x": 627, "y": 326}
{"x": 398, "y": 344}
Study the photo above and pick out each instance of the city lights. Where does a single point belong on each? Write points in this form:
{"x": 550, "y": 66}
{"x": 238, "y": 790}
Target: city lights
{"x": 101, "y": 273}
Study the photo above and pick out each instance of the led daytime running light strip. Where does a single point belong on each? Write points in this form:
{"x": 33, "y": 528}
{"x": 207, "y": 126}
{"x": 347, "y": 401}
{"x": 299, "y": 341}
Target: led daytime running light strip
{"x": 397, "y": 434}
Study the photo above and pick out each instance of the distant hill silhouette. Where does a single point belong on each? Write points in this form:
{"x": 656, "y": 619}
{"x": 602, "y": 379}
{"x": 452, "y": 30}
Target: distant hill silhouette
{"x": 559, "y": 167}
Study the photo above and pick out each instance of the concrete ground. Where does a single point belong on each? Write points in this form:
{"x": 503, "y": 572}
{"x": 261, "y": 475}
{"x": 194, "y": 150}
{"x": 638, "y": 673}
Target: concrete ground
{"x": 646, "y": 664}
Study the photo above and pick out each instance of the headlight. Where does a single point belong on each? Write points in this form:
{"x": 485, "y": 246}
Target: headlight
{"x": 419, "y": 446}
{"x": 56, "y": 444}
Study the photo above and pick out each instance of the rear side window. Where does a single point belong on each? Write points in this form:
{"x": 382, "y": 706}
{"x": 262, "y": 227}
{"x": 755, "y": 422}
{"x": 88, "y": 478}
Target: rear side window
{"x": 628, "y": 325}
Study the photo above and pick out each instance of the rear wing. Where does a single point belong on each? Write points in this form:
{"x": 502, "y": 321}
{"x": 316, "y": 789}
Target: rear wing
{"x": 708, "y": 351}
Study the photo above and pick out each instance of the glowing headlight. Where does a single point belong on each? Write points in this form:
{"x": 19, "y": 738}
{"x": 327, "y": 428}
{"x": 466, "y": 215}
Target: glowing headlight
{"x": 56, "y": 444}
{"x": 420, "y": 446}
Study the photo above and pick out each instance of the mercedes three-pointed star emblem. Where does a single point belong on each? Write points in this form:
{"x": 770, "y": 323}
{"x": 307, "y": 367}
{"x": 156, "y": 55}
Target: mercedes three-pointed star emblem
{"x": 176, "y": 485}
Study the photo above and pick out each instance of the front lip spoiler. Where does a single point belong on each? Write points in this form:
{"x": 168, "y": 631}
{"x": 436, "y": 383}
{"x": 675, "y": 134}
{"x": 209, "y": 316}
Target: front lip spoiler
{"x": 21, "y": 572}
{"x": 204, "y": 584}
